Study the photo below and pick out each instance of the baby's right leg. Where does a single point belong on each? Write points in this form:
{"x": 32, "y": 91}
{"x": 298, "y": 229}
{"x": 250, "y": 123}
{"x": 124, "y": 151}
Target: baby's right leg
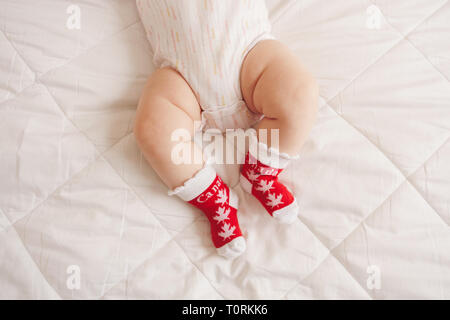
{"x": 166, "y": 105}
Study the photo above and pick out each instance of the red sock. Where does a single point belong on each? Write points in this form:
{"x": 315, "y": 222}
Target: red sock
{"x": 261, "y": 180}
{"x": 207, "y": 191}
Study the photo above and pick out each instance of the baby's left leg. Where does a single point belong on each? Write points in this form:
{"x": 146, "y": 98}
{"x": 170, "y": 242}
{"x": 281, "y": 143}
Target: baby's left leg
{"x": 276, "y": 84}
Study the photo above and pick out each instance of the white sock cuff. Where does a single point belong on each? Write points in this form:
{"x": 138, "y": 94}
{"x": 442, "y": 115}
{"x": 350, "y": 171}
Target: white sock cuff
{"x": 271, "y": 157}
{"x": 195, "y": 185}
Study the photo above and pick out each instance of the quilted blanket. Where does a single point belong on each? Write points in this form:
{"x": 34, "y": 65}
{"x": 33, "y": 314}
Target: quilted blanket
{"x": 82, "y": 215}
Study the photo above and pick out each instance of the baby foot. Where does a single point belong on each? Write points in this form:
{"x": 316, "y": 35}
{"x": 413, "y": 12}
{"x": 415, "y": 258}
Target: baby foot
{"x": 207, "y": 191}
{"x": 262, "y": 181}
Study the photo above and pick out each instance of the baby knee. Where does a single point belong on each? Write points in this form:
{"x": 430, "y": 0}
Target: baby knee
{"x": 144, "y": 131}
{"x": 306, "y": 93}
{"x": 301, "y": 99}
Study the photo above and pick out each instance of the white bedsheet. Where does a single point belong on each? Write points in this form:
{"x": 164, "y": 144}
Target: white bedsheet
{"x": 373, "y": 181}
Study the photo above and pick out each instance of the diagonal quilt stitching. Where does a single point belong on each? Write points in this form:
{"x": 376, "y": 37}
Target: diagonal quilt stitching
{"x": 328, "y": 100}
{"x": 424, "y": 164}
{"x": 406, "y": 37}
{"x": 417, "y": 189}
{"x": 18, "y": 93}
{"x": 33, "y": 80}
{"x": 23, "y": 244}
{"x": 406, "y": 178}
{"x": 330, "y": 253}
{"x": 285, "y": 9}
{"x": 352, "y": 231}
{"x": 73, "y": 176}
{"x": 53, "y": 192}
{"x": 101, "y": 156}
{"x": 163, "y": 227}
{"x": 402, "y": 38}
{"x": 330, "y": 250}
{"x": 427, "y": 59}
{"x": 31, "y": 258}
{"x": 93, "y": 47}
{"x": 38, "y": 78}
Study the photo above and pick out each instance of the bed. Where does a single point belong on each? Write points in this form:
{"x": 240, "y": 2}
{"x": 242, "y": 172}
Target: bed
{"x": 82, "y": 216}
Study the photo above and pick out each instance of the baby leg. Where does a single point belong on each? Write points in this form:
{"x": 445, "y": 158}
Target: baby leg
{"x": 274, "y": 83}
{"x": 168, "y": 104}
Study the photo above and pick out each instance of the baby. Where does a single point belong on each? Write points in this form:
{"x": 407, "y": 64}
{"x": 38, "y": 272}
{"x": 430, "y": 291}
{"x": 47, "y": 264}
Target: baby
{"x": 218, "y": 63}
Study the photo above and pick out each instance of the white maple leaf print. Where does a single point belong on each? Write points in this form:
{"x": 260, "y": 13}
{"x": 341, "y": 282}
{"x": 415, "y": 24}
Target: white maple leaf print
{"x": 264, "y": 186}
{"x": 222, "y": 214}
{"x": 252, "y": 175}
{"x": 222, "y": 196}
{"x": 227, "y": 231}
{"x": 274, "y": 200}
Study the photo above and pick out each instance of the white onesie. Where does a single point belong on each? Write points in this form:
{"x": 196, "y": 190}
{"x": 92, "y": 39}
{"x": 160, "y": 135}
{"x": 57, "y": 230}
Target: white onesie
{"x": 207, "y": 41}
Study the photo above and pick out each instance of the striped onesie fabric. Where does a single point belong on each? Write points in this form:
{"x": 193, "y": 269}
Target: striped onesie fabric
{"x": 206, "y": 41}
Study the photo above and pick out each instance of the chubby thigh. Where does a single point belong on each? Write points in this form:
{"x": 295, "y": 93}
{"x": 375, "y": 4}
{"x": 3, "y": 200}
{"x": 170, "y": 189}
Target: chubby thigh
{"x": 167, "y": 104}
